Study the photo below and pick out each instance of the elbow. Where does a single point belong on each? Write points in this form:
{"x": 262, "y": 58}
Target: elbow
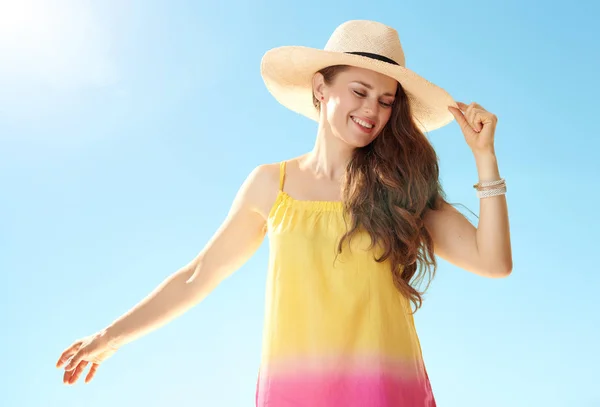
{"x": 495, "y": 267}
{"x": 500, "y": 269}
{"x": 200, "y": 277}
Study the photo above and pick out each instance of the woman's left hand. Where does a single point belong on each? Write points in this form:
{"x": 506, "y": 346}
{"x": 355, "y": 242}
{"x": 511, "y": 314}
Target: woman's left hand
{"x": 478, "y": 126}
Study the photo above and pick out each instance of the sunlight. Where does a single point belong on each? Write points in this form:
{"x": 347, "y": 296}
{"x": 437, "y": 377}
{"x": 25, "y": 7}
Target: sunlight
{"x": 21, "y": 22}
{"x": 29, "y": 31}
{"x": 60, "y": 43}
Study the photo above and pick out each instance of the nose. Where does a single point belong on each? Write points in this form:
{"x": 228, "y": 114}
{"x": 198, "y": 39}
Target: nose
{"x": 371, "y": 107}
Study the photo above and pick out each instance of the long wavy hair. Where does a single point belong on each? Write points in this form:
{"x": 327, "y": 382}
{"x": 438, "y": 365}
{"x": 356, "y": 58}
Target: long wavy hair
{"x": 388, "y": 186}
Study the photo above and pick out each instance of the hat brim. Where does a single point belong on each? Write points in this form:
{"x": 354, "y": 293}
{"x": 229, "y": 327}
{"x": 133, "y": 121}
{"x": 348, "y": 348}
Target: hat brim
{"x": 288, "y": 71}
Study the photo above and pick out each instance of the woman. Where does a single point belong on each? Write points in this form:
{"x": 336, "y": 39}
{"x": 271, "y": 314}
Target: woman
{"x": 353, "y": 228}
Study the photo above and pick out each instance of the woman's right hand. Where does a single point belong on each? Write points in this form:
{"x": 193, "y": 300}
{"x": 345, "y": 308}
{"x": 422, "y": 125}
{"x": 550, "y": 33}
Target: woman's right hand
{"x": 240, "y": 235}
{"x": 93, "y": 349}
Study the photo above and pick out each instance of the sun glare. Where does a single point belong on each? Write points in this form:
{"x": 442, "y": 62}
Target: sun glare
{"x": 60, "y": 43}
{"x": 25, "y": 25}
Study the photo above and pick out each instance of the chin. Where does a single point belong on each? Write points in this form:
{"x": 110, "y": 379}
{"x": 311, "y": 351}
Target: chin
{"x": 358, "y": 140}
{"x": 355, "y": 143}
{"x": 357, "y": 137}
{"x": 353, "y": 138}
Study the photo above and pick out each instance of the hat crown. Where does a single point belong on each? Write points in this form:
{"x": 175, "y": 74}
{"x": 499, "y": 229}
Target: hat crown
{"x": 367, "y": 36}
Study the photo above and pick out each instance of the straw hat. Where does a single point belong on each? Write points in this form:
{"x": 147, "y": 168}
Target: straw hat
{"x": 288, "y": 71}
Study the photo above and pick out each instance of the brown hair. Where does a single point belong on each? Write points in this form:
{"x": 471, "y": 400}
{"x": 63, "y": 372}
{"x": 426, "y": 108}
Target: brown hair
{"x": 388, "y": 186}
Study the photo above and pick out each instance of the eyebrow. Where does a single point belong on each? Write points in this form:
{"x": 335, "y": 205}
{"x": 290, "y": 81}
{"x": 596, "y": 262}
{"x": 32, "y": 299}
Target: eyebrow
{"x": 366, "y": 85}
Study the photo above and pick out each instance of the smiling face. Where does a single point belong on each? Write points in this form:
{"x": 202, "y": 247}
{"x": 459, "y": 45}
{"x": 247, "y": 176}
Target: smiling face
{"x": 356, "y": 104}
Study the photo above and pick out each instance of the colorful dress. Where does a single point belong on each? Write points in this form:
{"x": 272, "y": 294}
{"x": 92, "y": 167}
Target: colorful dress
{"x": 337, "y": 332}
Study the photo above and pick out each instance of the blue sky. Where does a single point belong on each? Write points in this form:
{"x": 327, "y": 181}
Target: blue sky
{"x": 126, "y": 128}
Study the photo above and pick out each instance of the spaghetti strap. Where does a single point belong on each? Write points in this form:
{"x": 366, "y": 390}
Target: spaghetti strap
{"x": 281, "y": 175}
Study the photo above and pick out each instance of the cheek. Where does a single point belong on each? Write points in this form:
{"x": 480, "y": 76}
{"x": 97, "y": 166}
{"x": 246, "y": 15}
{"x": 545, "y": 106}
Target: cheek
{"x": 338, "y": 110}
{"x": 384, "y": 116}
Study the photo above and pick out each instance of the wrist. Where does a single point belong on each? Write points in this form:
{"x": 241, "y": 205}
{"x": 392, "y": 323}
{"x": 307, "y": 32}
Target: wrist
{"x": 485, "y": 155}
{"x": 112, "y": 338}
{"x": 487, "y": 166}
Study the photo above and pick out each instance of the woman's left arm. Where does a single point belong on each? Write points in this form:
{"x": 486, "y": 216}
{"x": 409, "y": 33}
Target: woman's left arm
{"x": 485, "y": 249}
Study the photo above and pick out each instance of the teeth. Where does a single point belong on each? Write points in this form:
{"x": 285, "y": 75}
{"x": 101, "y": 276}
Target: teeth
{"x": 362, "y": 123}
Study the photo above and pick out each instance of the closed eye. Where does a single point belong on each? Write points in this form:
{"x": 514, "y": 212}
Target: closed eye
{"x": 362, "y": 95}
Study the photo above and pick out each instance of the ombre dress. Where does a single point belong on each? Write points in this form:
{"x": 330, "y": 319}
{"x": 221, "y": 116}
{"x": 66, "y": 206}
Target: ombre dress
{"x": 337, "y": 331}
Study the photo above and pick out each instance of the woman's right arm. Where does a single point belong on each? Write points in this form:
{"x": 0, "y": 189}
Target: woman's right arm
{"x": 231, "y": 246}
{"x": 237, "y": 239}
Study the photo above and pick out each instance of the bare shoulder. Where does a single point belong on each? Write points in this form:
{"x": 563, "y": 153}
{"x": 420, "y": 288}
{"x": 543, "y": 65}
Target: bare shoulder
{"x": 261, "y": 188}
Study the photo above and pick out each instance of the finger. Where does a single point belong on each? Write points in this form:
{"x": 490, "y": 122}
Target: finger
{"x": 462, "y": 106}
{"x": 469, "y": 113}
{"x": 479, "y": 121}
{"x": 472, "y": 105}
{"x": 462, "y": 122}
{"x": 472, "y": 119}
{"x": 67, "y": 376}
{"x": 78, "y": 371}
{"x": 460, "y": 117}
{"x": 75, "y": 360}
{"x": 66, "y": 355}
{"x": 92, "y": 372}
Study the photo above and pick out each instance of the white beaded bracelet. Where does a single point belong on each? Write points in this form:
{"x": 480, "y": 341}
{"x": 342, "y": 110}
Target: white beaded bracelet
{"x": 491, "y": 192}
{"x": 489, "y": 183}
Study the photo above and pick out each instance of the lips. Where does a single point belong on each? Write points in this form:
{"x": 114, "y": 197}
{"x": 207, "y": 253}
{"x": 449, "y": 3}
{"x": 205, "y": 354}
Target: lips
{"x": 365, "y": 120}
{"x": 364, "y": 124}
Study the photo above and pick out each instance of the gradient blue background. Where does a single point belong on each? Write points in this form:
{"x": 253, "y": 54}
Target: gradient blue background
{"x": 126, "y": 128}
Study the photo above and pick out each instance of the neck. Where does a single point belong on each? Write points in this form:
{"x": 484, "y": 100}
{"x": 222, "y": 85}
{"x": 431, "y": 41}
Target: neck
{"x": 330, "y": 155}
